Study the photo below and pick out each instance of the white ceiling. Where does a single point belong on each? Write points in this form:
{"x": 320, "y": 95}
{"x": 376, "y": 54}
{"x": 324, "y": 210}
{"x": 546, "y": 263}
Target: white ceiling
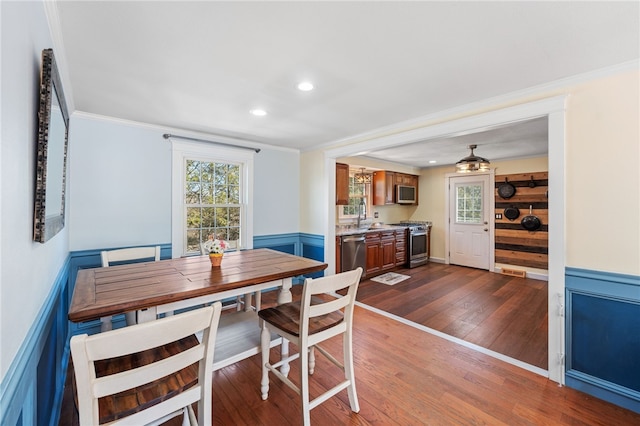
{"x": 201, "y": 66}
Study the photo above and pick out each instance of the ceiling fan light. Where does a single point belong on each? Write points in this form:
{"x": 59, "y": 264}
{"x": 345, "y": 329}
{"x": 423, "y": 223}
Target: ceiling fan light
{"x": 472, "y": 163}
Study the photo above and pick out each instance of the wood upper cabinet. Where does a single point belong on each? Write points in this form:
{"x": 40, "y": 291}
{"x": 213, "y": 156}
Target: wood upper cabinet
{"x": 342, "y": 184}
{"x": 383, "y": 186}
{"x": 409, "y": 180}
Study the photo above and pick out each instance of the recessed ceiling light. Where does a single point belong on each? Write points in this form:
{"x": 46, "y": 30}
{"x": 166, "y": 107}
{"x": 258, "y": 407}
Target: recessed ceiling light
{"x": 258, "y": 112}
{"x": 305, "y": 86}
{"x": 432, "y": 161}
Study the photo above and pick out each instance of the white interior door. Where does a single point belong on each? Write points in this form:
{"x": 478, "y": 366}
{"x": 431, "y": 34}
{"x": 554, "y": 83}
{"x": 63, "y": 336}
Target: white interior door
{"x": 469, "y": 221}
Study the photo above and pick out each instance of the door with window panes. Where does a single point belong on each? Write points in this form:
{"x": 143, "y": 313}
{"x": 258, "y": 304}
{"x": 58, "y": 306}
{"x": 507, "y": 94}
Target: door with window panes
{"x": 469, "y": 221}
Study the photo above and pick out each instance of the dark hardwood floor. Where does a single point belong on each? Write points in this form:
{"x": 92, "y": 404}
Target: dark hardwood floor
{"x": 505, "y": 314}
{"x": 405, "y": 376}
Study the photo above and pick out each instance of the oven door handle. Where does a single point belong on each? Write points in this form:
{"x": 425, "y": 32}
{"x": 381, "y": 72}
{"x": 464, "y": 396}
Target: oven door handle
{"x": 417, "y": 234}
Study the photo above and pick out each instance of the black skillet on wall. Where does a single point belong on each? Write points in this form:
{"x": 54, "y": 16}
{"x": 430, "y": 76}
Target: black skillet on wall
{"x": 506, "y": 190}
{"x": 531, "y": 222}
{"x": 512, "y": 213}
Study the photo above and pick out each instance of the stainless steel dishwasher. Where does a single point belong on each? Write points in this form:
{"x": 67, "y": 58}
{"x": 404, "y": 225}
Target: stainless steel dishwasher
{"x": 353, "y": 252}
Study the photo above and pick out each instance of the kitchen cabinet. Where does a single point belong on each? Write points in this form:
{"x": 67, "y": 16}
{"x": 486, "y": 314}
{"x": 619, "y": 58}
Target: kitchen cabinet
{"x": 342, "y": 184}
{"x": 408, "y": 180}
{"x": 385, "y": 250}
{"x": 388, "y": 250}
{"x": 383, "y": 186}
{"x": 374, "y": 264}
{"x": 401, "y": 247}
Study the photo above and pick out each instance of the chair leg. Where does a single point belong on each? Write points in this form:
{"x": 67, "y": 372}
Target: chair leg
{"x": 304, "y": 386}
{"x": 312, "y": 359}
{"x": 284, "y": 353}
{"x": 105, "y": 324}
{"x": 349, "y": 371}
{"x": 265, "y": 340}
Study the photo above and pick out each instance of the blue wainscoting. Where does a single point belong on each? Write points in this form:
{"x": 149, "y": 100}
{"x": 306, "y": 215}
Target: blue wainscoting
{"x": 31, "y": 391}
{"x": 301, "y": 244}
{"x": 603, "y": 335}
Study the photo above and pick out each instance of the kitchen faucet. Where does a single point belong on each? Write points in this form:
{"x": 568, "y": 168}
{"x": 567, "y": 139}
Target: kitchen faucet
{"x": 359, "y": 213}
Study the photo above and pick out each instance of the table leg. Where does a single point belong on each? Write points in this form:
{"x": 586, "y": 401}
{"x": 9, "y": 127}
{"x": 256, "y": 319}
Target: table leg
{"x": 284, "y": 295}
{"x": 146, "y": 315}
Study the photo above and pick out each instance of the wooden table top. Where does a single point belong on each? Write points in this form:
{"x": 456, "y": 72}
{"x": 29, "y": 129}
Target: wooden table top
{"x": 108, "y": 291}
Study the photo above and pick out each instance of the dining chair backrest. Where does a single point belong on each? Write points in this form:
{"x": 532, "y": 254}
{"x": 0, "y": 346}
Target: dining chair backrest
{"x": 125, "y": 255}
{"x": 152, "y": 336}
{"x": 128, "y": 254}
{"x": 329, "y": 284}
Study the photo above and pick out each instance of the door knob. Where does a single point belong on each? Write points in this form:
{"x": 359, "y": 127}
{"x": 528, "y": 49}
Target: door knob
{"x": 486, "y": 229}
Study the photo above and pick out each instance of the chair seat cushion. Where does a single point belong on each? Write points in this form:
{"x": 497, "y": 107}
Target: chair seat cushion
{"x": 286, "y": 317}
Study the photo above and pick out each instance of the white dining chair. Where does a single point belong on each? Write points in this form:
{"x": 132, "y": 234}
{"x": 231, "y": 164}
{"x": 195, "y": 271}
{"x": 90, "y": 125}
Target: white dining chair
{"x": 115, "y": 384}
{"x": 126, "y": 255}
{"x": 306, "y": 324}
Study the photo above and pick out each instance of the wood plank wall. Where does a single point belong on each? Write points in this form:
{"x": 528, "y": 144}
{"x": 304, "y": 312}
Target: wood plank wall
{"x": 514, "y": 245}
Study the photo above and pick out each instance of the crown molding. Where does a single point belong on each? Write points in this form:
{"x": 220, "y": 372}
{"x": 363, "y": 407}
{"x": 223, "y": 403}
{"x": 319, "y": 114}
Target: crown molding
{"x": 179, "y": 131}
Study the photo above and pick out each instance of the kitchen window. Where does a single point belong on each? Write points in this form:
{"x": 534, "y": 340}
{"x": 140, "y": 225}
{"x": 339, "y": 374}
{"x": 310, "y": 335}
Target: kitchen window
{"x": 211, "y": 197}
{"x": 359, "y": 198}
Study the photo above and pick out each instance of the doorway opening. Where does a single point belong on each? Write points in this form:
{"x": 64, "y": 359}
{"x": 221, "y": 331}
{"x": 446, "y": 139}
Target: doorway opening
{"x": 554, "y": 110}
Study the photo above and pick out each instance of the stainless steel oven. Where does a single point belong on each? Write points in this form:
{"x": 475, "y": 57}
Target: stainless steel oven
{"x": 418, "y": 250}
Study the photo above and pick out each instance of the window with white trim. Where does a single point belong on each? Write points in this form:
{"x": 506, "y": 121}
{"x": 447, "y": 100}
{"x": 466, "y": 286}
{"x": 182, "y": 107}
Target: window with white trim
{"x": 211, "y": 196}
{"x": 359, "y": 199}
{"x": 469, "y": 203}
{"x": 212, "y": 202}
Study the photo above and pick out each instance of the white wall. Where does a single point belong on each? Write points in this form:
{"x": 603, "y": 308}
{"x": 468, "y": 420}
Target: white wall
{"x": 27, "y": 269}
{"x": 602, "y": 175}
{"x": 275, "y": 192}
{"x": 312, "y": 193}
{"x": 120, "y": 186}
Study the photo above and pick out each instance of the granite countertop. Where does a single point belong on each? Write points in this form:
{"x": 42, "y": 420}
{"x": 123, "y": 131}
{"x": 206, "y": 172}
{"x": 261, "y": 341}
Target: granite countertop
{"x": 346, "y": 230}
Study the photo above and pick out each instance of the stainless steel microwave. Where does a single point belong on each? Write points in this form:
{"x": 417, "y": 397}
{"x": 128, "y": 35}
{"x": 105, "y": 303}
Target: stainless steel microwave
{"x": 405, "y": 194}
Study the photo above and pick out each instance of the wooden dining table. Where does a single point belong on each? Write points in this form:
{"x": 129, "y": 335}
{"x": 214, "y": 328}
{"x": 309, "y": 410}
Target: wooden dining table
{"x": 155, "y": 288}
